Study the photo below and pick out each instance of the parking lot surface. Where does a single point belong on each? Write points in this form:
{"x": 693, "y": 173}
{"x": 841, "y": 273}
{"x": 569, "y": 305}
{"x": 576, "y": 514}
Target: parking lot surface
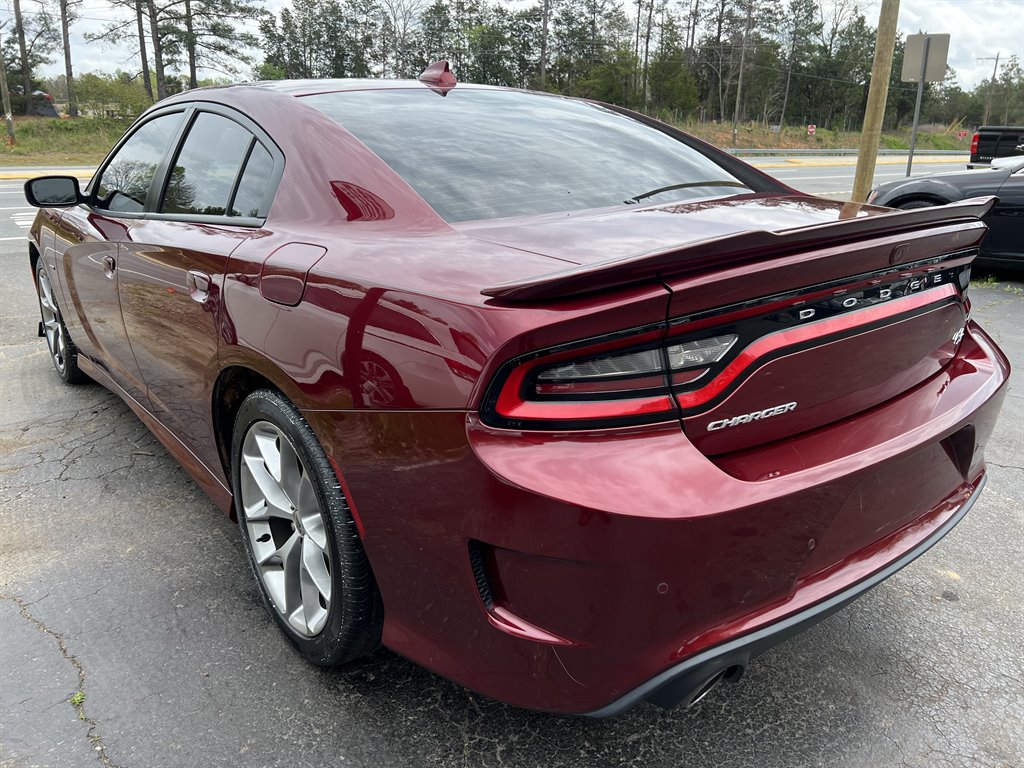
{"x": 131, "y": 632}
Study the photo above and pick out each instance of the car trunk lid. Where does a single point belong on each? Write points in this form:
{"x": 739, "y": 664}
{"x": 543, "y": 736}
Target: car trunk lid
{"x": 620, "y": 247}
{"x": 772, "y": 333}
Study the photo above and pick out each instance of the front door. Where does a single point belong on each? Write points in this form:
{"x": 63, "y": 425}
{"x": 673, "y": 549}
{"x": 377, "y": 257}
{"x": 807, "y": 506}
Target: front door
{"x": 88, "y": 243}
{"x": 172, "y": 270}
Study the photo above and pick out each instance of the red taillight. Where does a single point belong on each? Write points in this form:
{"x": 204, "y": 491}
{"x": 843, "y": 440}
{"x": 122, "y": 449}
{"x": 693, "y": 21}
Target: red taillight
{"x": 613, "y": 387}
{"x": 656, "y": 373}
{"x": 624, "y": 385}
{"x": 974, "y": 144}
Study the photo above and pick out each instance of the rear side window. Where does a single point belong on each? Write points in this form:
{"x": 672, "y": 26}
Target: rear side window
{"x": 486, "y": 154}
{"x": 126, "y": 179}
{"x": 252, "y": 189}
{"x": 204, "y": 173}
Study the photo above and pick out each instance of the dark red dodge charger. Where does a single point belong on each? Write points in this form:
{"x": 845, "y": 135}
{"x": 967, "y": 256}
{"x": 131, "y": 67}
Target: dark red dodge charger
{"x": 542, "y": 394}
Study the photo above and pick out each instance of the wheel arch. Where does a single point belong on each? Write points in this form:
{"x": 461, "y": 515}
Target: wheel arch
{"x": 233, "y": 384}
{"x": 929, "y": 197}
{"x": 33, "y": 260}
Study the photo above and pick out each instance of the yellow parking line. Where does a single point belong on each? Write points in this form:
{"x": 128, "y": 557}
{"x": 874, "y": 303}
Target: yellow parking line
{"x": 26, "y": 175}
{"x": 848, "y": 160}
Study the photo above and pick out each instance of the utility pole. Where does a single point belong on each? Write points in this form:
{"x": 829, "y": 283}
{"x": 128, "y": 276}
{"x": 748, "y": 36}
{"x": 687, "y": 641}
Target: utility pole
{"x": 885, "y": 45}
{"x": 8, "y": 118}
{"x": 992, "y": 87}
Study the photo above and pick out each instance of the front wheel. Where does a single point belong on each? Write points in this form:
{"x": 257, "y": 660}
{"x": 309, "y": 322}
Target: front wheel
{"x": 300, "y": 537}
{"x": 63, "y": 352}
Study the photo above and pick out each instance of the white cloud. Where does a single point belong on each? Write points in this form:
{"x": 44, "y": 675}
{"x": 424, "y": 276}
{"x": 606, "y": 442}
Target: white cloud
{"x": 978, "y": 29}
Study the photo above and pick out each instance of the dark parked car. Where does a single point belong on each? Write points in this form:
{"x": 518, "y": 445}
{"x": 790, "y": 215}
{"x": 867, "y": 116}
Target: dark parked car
{"x": 42, "y": 104}
{"x": 993, "y": 141}
{"x": 1003, "y": 247}
{"x": 545, "y": 395}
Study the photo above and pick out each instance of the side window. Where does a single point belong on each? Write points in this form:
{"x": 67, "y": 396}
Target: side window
{"x": 253, "y": 186}
{"x": 126, "y": 179}
{"x": 205, "y": 170}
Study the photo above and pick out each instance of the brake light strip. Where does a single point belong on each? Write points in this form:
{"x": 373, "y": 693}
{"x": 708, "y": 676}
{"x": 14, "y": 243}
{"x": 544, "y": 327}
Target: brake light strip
{"x": 804, "y": 333}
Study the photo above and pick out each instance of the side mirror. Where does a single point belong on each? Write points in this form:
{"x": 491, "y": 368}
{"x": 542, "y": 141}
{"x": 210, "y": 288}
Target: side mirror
{"x": 53, "y": 192}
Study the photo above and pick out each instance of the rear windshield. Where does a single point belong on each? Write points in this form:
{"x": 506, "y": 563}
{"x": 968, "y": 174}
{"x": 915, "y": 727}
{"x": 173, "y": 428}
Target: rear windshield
{"x": 481, "y": 154}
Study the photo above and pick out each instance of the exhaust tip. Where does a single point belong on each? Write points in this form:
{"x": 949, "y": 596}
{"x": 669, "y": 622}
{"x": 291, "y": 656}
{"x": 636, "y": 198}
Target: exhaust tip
{"x": 732, "y": 674}
{"x": 688, "y": 689}
{"x": 705, "y": 688}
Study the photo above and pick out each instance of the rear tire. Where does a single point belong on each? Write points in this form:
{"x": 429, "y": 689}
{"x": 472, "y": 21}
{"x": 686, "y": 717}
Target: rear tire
{"x": 918, "y": 203}
{"x": 63, "y": 352}
{"x": 301, "y": 540}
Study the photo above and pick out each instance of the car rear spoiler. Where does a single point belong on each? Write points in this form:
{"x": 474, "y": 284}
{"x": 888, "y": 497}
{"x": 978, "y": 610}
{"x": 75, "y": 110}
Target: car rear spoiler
{"x": 732, "y": 250}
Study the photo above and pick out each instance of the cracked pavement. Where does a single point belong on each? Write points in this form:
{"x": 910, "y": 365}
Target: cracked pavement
{"x": 119, "y": 580}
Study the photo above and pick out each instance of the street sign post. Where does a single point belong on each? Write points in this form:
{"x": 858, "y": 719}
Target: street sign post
{"x": 913, "y": 55}
{"x": 811, "y": 129}
{"x": 924, "y": 61}
{"x": 962, "y": 134}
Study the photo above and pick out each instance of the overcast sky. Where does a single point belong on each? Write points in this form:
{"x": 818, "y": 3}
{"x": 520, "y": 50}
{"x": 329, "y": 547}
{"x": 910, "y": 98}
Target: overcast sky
{"x": 979, "y": 29}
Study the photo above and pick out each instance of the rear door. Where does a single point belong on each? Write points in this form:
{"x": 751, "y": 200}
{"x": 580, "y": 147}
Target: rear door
{"x": 1006, "y": 221}
{"x": 88, "y": 242}
{"x": 215, "y": 195}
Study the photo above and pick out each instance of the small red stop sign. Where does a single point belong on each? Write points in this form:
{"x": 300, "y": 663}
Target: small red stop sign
{"x": 811, "y": 129}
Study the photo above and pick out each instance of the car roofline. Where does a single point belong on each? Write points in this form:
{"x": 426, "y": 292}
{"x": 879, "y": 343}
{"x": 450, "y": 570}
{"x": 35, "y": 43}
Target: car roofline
{"x": 314, "y": 86}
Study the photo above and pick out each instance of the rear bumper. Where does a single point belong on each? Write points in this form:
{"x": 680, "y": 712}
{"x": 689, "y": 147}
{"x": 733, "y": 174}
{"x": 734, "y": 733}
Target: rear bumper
{"x": 675, "y": 685}
{"x": 621, "y": 565}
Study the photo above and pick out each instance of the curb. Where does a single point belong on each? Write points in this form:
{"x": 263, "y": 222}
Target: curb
{"x": 25, "y": 175}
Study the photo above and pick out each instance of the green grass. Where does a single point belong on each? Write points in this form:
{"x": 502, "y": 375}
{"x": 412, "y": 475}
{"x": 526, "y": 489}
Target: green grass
{"x": 86, "y": 140}
{"x": 795, "y": 137}
{"x": 54, "y": 141}
{"x": 924, "y": 141}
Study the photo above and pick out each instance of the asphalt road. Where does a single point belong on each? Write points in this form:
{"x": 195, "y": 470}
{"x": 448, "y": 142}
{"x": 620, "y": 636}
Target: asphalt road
{"x": 833, "y": 178}
{"x": 120, "y": 581}
{"x": 818, "y": 175}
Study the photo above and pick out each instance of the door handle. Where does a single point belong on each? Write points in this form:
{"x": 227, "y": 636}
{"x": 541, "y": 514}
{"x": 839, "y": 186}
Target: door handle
{"x": 198, "y": 285}
{"x": 109, "y": 265}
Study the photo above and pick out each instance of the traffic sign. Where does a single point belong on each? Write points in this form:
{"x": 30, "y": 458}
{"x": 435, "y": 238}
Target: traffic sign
{"x": 962, "y": 134}
{"x": 811, "y": 129}
{"x": 927, "y": 54}
{"x": 924, "y": 61}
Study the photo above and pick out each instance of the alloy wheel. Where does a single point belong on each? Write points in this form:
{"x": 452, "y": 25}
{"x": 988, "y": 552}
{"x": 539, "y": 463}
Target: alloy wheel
{"x": 286, "y": 529}
{"x": 56, "y": 339}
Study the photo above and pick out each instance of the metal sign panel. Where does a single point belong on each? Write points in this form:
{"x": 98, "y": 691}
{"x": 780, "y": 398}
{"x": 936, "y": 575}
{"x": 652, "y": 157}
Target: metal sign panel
{"x": 935, "y": 68}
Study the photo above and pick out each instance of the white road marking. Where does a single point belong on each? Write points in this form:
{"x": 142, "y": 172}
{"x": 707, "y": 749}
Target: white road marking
{"x": 840, "y": 176}
{"x": 23, "y": 238}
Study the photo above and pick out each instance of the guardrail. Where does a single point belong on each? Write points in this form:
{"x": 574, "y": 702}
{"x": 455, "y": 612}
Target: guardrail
{"x": 827, "y": 152}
